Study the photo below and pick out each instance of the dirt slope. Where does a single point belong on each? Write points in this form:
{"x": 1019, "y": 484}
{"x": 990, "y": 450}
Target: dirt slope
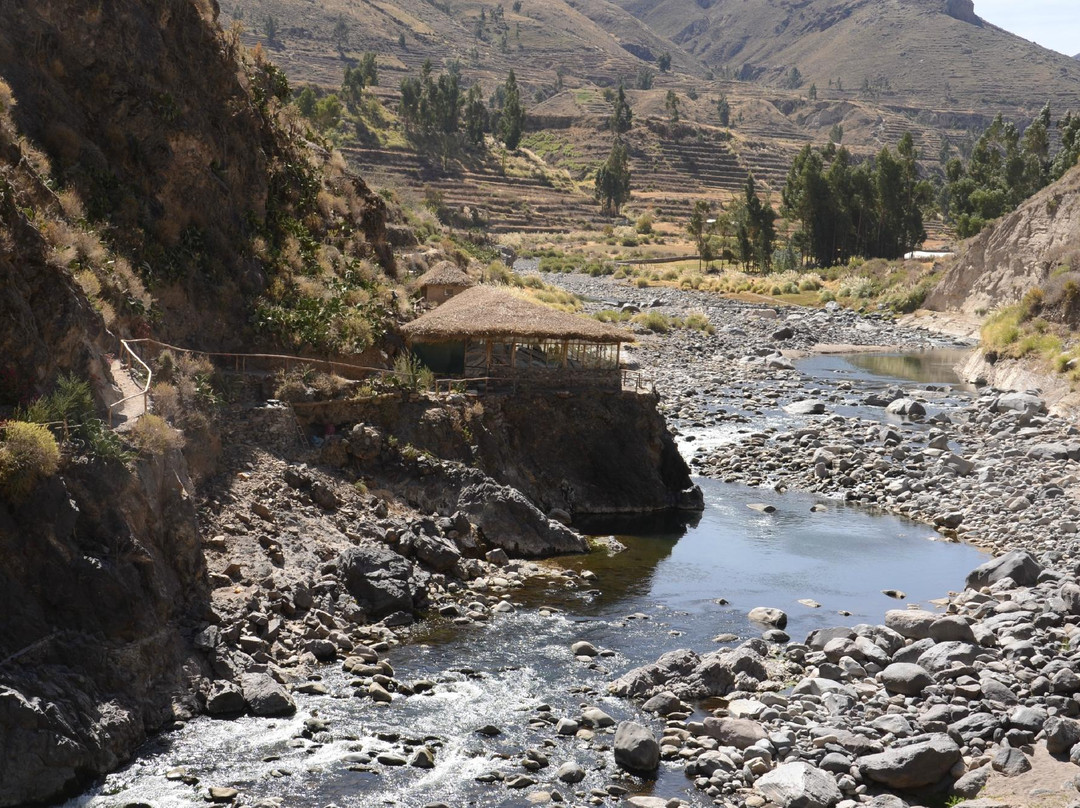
{"x": 1038, "y": 244}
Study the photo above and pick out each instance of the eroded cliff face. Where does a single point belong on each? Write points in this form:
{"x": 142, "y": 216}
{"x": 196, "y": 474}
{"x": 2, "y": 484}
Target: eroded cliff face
{"x": 1038, "y": 240}
{"x": 102, "y": 577}
{"x": 583, "y": 453}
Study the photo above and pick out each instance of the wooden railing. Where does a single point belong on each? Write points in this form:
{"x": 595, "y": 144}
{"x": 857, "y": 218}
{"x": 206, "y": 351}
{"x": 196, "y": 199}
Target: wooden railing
{"x": 628, "y": 379}
{"x": 144, "y": 394}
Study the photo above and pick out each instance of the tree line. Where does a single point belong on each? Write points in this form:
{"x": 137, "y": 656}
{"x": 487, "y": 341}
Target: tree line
{"x": 872, "y": 209}
{"x": 1005, "y": 168}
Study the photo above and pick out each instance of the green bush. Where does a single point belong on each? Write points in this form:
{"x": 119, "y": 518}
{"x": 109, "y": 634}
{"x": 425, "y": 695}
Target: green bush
{"x": 411, "y": 374}
{"x": 72, "y": 403}
{"x": 28, "y": 454}
{"x": 654, "y": 321}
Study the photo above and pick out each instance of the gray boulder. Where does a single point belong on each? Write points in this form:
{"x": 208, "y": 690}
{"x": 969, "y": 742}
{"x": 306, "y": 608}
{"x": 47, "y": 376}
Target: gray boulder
{"x": 1062, "y": 734}
{"x": 508, "y": 520}
{"x": 1019, "y": 565}
{"x": 810, "y": 406}
{"x": 224, "y": 698}
{"x": 265, "y": 696}
{"x": 911, "y": 623}
{"x": 907, "y": 407}
{"x": 971, "y": 783}
{"x": 1010, "y": 762}
{"x": 436, "y": 552}
{"x": 648, "y": 680}
{"x": 636, "y": 749}
{"x": 943, "y": 655}
{"x": 381, "y": 580}
{"x": 768, "y": 616}
{"x": 799, "y": 785}
{"x": 906, "y": 679}
{"x": 1024, "y": 403}
{"x": 916, "y": 765}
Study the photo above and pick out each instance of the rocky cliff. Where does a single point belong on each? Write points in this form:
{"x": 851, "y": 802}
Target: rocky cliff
{"x": 103, "y": 568}
{"x": 1035, "y": 245}
{"x": 583, "y": 453}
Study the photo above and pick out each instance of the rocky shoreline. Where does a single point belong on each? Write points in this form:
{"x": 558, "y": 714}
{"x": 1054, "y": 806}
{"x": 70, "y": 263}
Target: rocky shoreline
{"x": 929, "y": 705}
{"x": 310, "y": 571}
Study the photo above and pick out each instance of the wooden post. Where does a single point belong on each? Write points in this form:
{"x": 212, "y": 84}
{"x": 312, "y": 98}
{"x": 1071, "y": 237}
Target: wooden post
{"x": 488, "y": 343}
{"x": 565, "y": 348}
{"x": 513, "y": 355}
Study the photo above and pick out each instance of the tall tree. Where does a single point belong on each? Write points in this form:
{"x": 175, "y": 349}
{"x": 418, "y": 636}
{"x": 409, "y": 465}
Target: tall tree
{"x": 613, "y": 179}
{"x": 621, "y": 117}
{"x": 512, "y": 121}
{"x": 755, "y": 228}
{"x": 475, "y": 115}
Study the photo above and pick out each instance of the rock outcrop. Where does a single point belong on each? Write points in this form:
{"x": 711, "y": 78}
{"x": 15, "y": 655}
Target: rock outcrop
{"x": 599, "y": 453}
{"x": 103, "y": 571}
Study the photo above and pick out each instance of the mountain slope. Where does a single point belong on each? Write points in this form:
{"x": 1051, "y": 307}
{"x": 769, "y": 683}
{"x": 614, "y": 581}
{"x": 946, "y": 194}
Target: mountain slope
{"x": 933, "y": 52}
{"x": 172, "y": 140}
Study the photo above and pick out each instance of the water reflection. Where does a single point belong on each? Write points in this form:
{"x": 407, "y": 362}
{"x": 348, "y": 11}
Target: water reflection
{"x": 936, "y": 366}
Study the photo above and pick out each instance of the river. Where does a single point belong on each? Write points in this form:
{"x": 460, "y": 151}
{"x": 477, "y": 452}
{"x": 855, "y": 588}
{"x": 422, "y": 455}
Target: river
{"x": 679, "y": 583}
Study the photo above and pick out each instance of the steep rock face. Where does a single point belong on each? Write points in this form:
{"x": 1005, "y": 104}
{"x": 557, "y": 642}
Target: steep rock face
{"x": 101, "y": 569}
{"x": 963, "y": 10}
{"x": 608, "y": 453}
{"x": 1016, "y": 253}
{"x": 585, "y": 453}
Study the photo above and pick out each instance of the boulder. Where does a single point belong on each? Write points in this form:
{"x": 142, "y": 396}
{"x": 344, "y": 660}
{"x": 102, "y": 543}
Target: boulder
{"x": 224, "y": 698}
{"x": 810, "y": 406}
{"x": 913, "y": 624}
{"x": 905, "y": 678}
{"x": 636, "y": 749}
{"x": 907, "y": 407}
{"x": 799, "y": 785}
{"x": 916, "y": 765}
{"x": 943, "y": 655}
{"x": 737, "y": 732}
{"x": 436, "y": 552}
{"x": 508, "y": 520}
{"x": 648, "y": 680}
{"x": 1019, "y": 565}
{"x": 265, "y": 696}
{"x": 765, "y": 615}
{"x": 381, "y": 580}
{"x": 1024, "y": 403}
{"x": 1062, "y": 734}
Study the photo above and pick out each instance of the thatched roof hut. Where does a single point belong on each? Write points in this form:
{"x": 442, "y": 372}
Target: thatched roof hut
{"x": 442, "y": 282}
{"x": 487, "y": 331}
{"x": 486, "y": 312}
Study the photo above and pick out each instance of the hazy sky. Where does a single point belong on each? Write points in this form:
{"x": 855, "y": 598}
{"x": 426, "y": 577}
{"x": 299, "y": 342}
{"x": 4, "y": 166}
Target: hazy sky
{"x": 1054, "y": 24}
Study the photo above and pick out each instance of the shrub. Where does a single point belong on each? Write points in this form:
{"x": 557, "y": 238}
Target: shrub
{"x": 699, "y": 322}
{"x": 28, "y": 454}
{"x": 153, "y": 436}
{"x": 825, "y": 296}
{"x": 654, "y": 321}
{"x": 411, "y": 374}
{"x": 644, "y": 224}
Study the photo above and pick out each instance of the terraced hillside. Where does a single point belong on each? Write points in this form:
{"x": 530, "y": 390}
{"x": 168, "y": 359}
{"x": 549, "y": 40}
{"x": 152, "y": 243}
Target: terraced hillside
{"x": 936, "y": 71}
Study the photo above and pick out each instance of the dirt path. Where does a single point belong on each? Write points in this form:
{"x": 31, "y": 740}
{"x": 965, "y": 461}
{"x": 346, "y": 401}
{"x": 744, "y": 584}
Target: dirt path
{"x": 127, "y": 412}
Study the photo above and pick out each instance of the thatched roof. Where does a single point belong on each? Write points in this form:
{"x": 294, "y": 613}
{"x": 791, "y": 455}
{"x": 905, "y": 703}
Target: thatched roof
{"x": 444, "y": 273}
{"x": 487, "y": 312}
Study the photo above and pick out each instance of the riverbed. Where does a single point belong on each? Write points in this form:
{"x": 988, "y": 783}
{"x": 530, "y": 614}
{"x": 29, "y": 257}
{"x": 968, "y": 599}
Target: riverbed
{"x": 679, "y": 583}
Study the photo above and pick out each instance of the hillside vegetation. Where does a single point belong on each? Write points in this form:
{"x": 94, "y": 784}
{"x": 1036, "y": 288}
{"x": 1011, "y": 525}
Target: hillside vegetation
{"x": 196, "y": 176}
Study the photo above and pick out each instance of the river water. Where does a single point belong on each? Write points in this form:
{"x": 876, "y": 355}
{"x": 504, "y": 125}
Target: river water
{"x": 678, "y": 584}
